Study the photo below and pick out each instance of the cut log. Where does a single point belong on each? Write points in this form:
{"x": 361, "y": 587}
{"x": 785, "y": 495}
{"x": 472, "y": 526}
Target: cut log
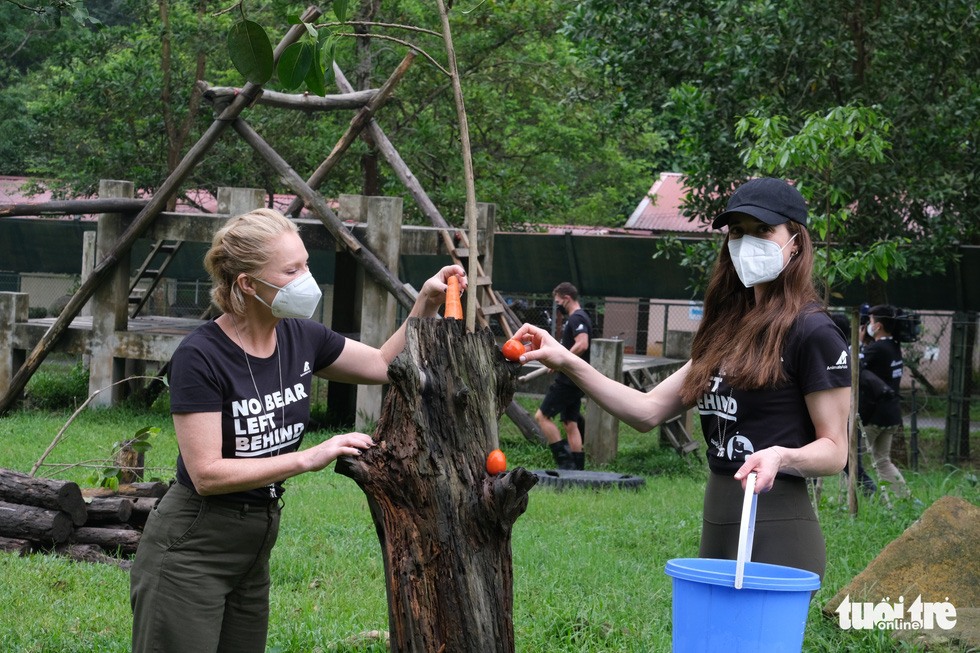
{"x": 91, "y": 553}
{"x": 142, "y": 507}
{"x": 111, "y": 539}
{"x": 104, "y": 510}
{"x": 35, "y": 524}
{"x": 444, "y": 523}
{"x": 18, "y": 487}
{"x": 15, "y": 545}
{"x": 133, "y": 490}
{"x": 526, "y": 424}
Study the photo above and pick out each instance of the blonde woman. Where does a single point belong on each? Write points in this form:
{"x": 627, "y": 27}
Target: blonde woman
{"x": 240, "y": 398}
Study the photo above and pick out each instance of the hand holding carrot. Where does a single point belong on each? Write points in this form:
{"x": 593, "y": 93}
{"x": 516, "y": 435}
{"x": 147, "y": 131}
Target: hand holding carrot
{"x": 434, "y": 291}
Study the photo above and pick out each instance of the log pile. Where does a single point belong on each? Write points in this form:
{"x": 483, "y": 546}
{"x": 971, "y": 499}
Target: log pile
{"x": 90, "y": 525}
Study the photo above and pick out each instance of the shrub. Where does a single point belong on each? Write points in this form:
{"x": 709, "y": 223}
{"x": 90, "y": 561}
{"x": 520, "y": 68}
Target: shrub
{"x": 37, "y": 312}
{"x": 58, "y": 389}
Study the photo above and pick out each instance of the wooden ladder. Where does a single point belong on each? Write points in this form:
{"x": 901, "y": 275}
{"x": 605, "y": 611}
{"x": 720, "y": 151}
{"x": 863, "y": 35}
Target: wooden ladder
{"x": 674, "y": 430}
{"x": 489, "y": 303}
{"x": 160, "y": 257}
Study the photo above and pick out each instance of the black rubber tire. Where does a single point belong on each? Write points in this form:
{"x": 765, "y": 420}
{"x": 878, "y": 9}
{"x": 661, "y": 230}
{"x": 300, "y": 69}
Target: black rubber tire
{"x": 560, "y": 478}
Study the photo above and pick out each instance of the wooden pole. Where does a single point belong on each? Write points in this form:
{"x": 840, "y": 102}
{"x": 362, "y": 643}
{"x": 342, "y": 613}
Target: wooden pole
{"x": 377, "y": 138}
{"x": 601, "y": 436}
{"x": 357, "y": 125}
{"x": 378, "y": 271}
{"x": 219, "y": 95}
{"x": 75, "y": 207}
{"x": 468, "y": 176}
{"x": 141, "y": 223}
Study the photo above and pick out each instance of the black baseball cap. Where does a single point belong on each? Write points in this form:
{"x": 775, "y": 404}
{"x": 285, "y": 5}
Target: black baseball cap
{"x": 771, "y": 200}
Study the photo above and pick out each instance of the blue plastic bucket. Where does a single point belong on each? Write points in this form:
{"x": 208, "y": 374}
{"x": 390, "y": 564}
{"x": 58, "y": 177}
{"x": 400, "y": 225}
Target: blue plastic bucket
{"x": 767, "y": 614}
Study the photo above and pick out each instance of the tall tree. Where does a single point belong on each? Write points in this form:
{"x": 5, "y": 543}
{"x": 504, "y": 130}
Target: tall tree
{"x": 701, "y": 65}
{"x": 549, "y": 145}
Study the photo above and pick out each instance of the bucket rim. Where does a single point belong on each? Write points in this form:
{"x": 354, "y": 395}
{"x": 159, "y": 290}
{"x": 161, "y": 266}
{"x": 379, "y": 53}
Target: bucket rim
{"x": 758, "y": 575}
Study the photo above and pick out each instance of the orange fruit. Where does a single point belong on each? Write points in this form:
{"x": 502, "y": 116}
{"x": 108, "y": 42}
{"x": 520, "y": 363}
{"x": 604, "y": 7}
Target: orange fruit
{"x": 496, "y": 462}
{"x": 513, "y": 350}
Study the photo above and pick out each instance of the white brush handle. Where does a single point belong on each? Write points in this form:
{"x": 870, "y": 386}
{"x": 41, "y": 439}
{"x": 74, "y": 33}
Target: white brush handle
{"x": 746, "y": 530}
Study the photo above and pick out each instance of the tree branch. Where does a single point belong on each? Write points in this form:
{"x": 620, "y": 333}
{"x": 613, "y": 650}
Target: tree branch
{"x": 368, "y": 23}
{"x": 407, "y": 44}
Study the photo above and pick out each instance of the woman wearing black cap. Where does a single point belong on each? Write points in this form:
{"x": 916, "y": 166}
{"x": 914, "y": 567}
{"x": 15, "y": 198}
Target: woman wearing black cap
{"x": 769, "y": 373}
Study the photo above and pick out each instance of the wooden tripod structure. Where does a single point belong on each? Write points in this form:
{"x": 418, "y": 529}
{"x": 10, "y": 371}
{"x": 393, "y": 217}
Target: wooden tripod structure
{"x": 229, "y": 104}
{"x": 443, "y": 521}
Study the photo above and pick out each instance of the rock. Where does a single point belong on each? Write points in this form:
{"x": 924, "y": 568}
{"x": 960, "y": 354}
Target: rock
{"x": 937, "y": 560}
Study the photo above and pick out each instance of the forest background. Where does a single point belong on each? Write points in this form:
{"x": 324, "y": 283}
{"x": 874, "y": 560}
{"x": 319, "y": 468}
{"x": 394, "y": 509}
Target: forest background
{"x": 574, "y": 106}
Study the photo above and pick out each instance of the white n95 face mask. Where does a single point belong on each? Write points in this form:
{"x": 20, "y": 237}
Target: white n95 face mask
{"x": 298, "y": 298}
{"x": 756, "y": 260}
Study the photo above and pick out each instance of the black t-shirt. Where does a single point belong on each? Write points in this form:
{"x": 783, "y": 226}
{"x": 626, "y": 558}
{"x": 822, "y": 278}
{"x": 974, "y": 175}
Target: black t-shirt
{"x": 209, "y": 373}
{"x": 737, "y": 423}
{"x": 578, "y": 322}
{"x": 883, "y": 358}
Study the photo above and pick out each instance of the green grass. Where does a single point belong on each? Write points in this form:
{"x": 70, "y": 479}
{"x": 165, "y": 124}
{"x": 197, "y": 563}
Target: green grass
{"x": 588, "y": 565}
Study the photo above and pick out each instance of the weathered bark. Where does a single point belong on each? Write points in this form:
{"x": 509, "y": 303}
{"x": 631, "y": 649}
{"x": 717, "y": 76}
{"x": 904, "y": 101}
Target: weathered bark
{"x": 66, "y": 207}
{"x": 114, "y": 510}
{"x": 443, "y": 522}
{"x": 221, "y": 95}
{"x": 130, "y": 464}
{"x": 53, "y": 494}
{"x": 36, "y": 524}
{"x": 110, "y": 539}
{"x": 151, "y": 489}
{"x": 15, "y": 545}
{"x": 142, "y": 507}
{"x": 91, "y": 553}
{"x": 526, "y": 424}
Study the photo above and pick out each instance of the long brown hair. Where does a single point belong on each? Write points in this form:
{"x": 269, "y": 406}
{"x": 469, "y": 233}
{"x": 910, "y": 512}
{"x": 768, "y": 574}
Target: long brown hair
{"x": 743, "y": 338}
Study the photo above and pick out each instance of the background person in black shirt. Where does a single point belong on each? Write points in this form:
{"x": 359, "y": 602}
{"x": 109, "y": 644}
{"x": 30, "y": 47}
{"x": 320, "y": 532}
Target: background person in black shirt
{"x": 883, "y": 358}
{"x": 564, "y": 399}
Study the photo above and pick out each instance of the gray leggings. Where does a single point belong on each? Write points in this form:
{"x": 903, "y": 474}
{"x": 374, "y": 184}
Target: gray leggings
{"x": 786, "y": 529}
{"x": 200, "y": 581}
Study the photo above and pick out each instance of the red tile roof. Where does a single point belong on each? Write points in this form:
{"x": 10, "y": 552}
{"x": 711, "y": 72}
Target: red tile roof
{"x": 660, "y": 210}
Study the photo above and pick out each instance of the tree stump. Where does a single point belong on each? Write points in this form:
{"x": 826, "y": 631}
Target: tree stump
{"x": 444, "y": 523}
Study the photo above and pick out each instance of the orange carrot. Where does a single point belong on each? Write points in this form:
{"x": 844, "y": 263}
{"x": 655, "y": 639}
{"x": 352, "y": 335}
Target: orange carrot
{"x": 454, "y": 308}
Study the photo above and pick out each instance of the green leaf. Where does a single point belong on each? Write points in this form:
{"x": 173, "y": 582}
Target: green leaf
{"x": 294, "y": 64}
{"x": 327, "y": 55}
{"x": 314, "y": 78}
{"x": 250, "y": 51}
{"x": 340, "y": 9}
